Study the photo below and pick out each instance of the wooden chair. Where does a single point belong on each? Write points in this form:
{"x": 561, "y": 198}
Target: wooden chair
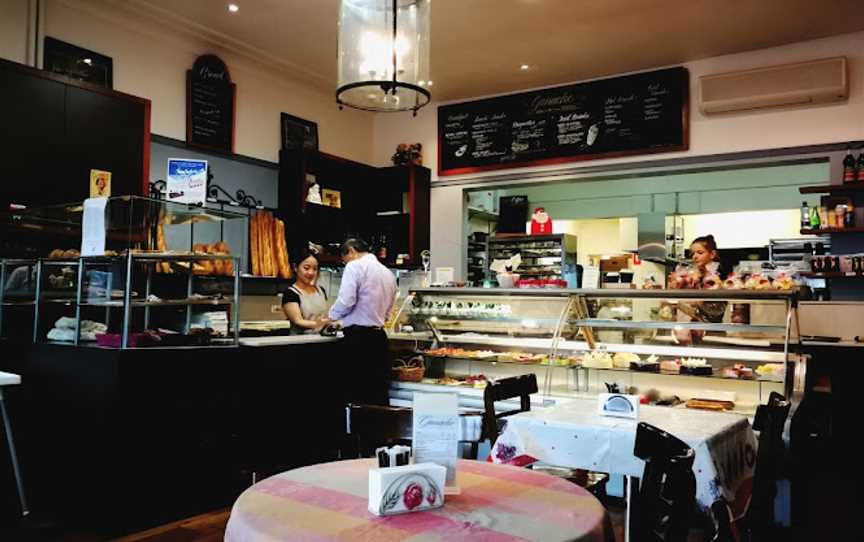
{"x": 372, "y": 426}
{"x": 667, "y": 493}
{"x": 501, "y": 390}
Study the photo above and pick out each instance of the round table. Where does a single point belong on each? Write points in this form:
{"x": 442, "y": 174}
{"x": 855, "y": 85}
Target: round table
{"x": 497, "y": 503}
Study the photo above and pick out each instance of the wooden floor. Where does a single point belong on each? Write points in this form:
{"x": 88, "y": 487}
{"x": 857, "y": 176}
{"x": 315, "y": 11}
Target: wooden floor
{"x": 208, "y": 527}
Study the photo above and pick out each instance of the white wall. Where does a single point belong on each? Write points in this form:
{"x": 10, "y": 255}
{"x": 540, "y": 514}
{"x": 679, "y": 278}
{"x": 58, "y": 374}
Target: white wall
{"x": 734, "y": 132}
{"x": 151, "y": 61}
{"x": 736, "y": 230}
{"x": 14, "y": 25}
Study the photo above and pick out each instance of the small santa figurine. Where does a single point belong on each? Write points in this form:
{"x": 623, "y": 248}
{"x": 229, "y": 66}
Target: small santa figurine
{"x": 541, "y": 223}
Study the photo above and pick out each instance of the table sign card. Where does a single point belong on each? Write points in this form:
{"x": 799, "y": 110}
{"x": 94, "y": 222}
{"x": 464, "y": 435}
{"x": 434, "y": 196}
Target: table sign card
{"x": 93, "y": 226}
{"x": 187, "y": 180}
{"x": 436, "y": 432}
{"x": 618, "y": 405}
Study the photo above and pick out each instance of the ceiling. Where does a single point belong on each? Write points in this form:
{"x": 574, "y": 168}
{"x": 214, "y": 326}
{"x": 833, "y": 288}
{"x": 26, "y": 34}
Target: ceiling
{"x": 479, "y": 45}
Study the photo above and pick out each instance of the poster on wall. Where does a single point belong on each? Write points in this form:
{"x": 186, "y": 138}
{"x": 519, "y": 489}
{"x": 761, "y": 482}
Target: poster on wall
{"x": 210, "y": 103}
{"x": 187, "y": 180}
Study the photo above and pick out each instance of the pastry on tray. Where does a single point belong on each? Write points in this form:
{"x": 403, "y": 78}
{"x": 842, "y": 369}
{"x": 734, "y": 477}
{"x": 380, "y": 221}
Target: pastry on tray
{"x": 648, "y": 365}
{"x": 622, "y": 360}
{"x": 670, "y": 366}
{"x": 696, "y": 366}
{"x": 597, "y": 360}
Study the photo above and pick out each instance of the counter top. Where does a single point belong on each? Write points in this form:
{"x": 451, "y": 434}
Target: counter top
{"x": 9, "y": 379}
{"x": 286, "y": 340}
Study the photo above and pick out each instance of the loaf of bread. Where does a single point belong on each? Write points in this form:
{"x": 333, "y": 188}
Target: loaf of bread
{"x": 267, "y": 233}
{"x": 706, "y": 404}
{"x": 282, "y": 251}
{"x": 253, "y": 244}
{"x": 161, "y": 246}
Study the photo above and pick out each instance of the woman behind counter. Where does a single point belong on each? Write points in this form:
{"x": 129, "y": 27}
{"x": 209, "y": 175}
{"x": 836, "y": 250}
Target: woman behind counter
{"x": 305, "y": 303}
{"x": 706, "y": 261}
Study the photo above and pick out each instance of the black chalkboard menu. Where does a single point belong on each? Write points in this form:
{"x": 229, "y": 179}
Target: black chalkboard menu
{"x": 633, "y": 114}
{"x": 210, "y": 105}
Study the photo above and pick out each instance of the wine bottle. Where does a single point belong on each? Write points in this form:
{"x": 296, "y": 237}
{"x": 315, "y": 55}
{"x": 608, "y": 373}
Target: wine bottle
{"x": 849, "y": 167}
{"x": 859, "y": 169}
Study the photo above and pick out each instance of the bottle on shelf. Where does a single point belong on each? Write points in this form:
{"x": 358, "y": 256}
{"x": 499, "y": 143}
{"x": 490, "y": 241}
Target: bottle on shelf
{"x": 805, "y": 215}
{"x": 849, "y": 174}
{"x": 382, "y": 248}
{"x": 859, "y": 167}
{"x": 814, "y": 218}
{"x": 850, "y": 214}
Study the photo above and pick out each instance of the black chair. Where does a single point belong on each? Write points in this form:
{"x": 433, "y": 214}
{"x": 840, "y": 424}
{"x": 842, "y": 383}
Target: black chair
{"x": 667, "y": 493}
{"x": 770, "y": 420}
{"x": 500, "y": 390}
{"x": 372, "y": 426}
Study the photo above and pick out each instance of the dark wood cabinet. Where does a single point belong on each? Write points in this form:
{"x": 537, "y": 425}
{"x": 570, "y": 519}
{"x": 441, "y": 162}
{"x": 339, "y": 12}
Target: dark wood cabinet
{"x": 55, "y": 130}
{"x": 388, "y": 206}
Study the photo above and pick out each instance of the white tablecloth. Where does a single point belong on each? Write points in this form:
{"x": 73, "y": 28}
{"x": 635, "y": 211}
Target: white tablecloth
{"x": 575, "y": 435}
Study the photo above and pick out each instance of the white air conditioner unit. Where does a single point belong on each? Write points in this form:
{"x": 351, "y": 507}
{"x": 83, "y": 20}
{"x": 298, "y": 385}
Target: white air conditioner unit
{"x": 816, "y": 81}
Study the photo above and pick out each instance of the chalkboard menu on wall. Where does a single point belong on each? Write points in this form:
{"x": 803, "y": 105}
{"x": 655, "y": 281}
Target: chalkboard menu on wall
{"x": 633, "y": 114}
{"x": 210, "y": 105}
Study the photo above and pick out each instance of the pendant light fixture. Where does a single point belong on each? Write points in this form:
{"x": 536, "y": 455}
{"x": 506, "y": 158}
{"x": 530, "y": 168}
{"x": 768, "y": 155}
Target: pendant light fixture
{"x": 383, "y": 55}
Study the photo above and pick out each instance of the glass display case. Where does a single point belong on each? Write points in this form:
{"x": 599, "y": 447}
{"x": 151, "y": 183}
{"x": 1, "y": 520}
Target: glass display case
{"x": 711, "y": 349}
{"x": 166, "y": 277}
{"x": 17, "y": 294}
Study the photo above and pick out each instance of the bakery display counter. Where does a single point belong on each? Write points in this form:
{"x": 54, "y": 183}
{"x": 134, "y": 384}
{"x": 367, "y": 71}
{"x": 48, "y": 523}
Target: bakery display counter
{"x": 654, "y": 343}
{"x": 287, "y": 340}
{"x": 200, "y": 421}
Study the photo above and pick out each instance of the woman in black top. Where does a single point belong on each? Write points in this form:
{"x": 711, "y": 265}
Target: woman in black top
{"x": 305, "y": 303}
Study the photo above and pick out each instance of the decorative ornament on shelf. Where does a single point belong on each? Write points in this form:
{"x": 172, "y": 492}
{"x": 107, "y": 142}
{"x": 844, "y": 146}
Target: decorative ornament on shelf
{"x": 383, "y": 55}
{"x": 541, "y": 222}
{"x": 408, "y": 154}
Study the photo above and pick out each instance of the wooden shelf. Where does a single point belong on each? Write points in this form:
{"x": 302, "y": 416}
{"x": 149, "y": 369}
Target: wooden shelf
{"x": 848, "y": 188}
{"x": 822, "y": 231}
{"x": 833, "y": 275}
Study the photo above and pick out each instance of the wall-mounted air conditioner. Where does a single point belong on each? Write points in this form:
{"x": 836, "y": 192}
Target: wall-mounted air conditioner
{"x": 816, "y": 81}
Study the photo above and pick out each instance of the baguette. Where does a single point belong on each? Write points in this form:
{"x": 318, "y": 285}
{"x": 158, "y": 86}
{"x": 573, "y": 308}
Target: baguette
{"x": 707, "y": 404}
{"x": 161, "y": 246}
{"x": 267, "y": 233}
{"x": 282, "y": 251}
{"x": 253, "y": 244}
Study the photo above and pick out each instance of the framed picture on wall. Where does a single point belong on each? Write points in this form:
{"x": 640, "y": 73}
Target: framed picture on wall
{"x": 299, "y": 133}
{"x": 78, "y": 63}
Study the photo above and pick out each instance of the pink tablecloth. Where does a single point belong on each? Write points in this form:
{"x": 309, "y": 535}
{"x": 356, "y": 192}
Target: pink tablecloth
{"x": 497, "y": 503}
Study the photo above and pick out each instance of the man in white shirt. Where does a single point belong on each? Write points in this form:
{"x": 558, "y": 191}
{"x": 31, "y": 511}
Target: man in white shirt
{"x": 366, "y": 296}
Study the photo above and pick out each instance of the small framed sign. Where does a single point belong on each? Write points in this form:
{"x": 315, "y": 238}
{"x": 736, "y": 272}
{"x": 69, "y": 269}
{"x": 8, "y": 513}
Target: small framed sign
{"x": 299, "y": 133}
{"x": 78, "y": 63}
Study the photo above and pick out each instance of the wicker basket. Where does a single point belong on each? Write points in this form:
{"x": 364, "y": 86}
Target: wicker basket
{"x": 409, "y": 371}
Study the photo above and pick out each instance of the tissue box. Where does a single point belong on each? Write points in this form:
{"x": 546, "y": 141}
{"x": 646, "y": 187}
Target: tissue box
{"x": 409, "y": 488}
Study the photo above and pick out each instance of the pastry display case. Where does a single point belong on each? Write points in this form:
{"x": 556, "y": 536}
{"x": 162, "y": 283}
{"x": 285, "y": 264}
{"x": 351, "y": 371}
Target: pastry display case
{"x": 165, "y": 278}
{"x": 17, "y": 294}
{"x": 710, "y": 349}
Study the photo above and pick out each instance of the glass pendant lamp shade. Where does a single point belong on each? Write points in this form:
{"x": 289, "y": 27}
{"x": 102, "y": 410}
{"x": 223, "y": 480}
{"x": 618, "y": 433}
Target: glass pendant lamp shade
{"x": 383, "y": 55}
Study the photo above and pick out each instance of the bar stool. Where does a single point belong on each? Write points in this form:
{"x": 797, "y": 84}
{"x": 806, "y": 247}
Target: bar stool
{"x": 10, "y": 379}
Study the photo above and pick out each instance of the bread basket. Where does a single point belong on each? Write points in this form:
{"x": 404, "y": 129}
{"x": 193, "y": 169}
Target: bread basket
{"x": 409, "y": 371}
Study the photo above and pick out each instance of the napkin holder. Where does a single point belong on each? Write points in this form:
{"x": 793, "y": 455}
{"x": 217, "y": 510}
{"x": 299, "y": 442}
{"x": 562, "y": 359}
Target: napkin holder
{"x": 409, "y": 488}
